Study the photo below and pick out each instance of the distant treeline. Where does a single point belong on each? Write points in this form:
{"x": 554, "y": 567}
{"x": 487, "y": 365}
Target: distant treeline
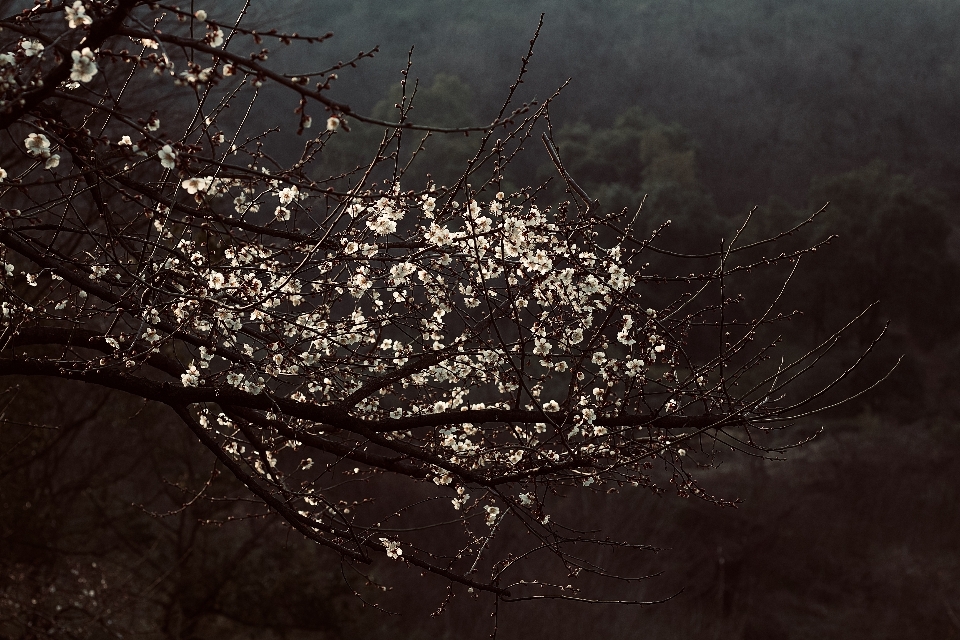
{"x": 775, "y": 92}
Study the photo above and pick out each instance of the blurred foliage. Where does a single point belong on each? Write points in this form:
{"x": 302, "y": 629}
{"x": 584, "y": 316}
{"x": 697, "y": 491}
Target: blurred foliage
{"x": 446, "y": 102}
{"x": 113, "y": 524}
{"x": 892, "y": 248}
{"x": 893, "y": 259}
{"x": 640, "y": 160}
{"x": 775, "y": 92}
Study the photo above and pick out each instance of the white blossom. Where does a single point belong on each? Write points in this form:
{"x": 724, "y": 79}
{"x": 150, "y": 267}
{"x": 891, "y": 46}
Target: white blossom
{"x": 196, "y": 184}
{"x": 288, "y": 194}
{"x": 37, "y": 145}
{"x": 401, "y": 271}
{"x": 84, "y": 65}
{"x": 192, "y": 377}
{"x": 31, "y": 48}
{"x": 393, "y": 548}
{"x": 168, "y": 157}
{"x": 76, "y": 15}
{"x": 214, "y": 37}
{"x": 634, "y": 367}
{"x": 382, "y": 225}
{"x": 541, "y": 347}
{"x": 438, "y": 235}
{"x": 444, "y": 479}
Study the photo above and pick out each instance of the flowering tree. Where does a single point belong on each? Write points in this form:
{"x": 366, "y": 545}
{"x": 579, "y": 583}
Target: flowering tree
{"x": 396, "y": 373}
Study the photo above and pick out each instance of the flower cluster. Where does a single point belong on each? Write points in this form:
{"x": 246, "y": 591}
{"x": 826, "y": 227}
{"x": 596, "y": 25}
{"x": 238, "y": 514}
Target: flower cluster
{"x": 38, "y": 146}
{"x": 84, "y": 65}
{"x": 317, "y": 334}
{"x": 76, "y": 15}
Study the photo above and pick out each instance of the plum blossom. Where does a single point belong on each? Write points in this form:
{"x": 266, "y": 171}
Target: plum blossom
{"x": 214, "y": 37}
{"x": 84, "y": 66}
{"x": 168, "y": 157}
{"x": 192, "y": 377}
{"x": 438, "y": 235}
{"x": 76, "y": 15}
{"x": 288, "y": 195}
{"x": 37, "y": 145}
{"x": 538, "y": 262}
{"x": 393, "y": 548}
{"x": 429, "y": 204}
{"x": 634, "y": 367}
{"x": 624, "y": 334}
{"x": 31, "y": 48}
{"x": 382, "y": 225}
{"x": 401, "y": 271}
{"x": 196, "y": 184}
{"x": 541, "y": 347}
{"x": 333, "y": 123}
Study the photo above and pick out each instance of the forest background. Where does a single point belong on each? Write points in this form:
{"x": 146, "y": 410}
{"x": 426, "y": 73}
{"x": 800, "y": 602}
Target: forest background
{"x": 707, "y": 109}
